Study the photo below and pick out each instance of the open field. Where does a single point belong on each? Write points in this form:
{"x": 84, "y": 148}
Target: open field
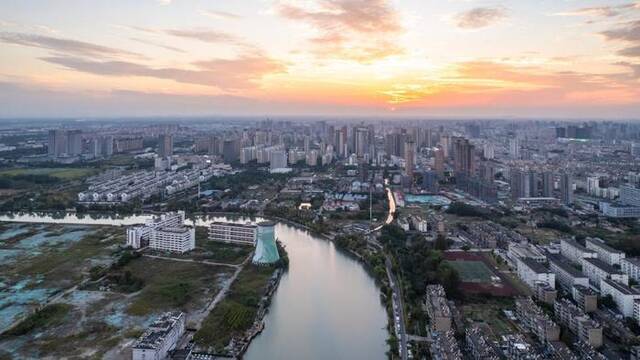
{"x": 237, "y": 311}
{"x": 490, "y": 313}
{"x": 472, "y": 271}
{"x": 40, "y": 261}
{"x": 479, "y": 275}
{"x": 60, "y": 173}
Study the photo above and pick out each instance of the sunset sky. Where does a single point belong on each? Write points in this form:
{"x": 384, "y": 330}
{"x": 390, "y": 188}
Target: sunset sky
{"x": 526, "y": 58}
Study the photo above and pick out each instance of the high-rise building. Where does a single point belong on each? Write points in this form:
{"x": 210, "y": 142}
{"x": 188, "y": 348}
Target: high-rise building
{"x": 231, "y": 150}
{"x": 566, "y": 188}
{"x": 464, "y": 157}
{"x": 630, "y": 195}
{"x": 438, "y": 161}
{"x": 361, "y": 141}
{"x": 547, "y": 184}
{"x": 64, "y": 143}
{"x": 409, "y": 158}
{"x": 165, "y": 146}
{"x": 278, "y": 160}
{"x": 514, "y": 148}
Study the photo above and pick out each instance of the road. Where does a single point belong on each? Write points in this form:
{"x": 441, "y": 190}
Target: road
{"x": 193, "y": 261}
{"x": 396, "y": 290}
{"x": 398, "y": 310}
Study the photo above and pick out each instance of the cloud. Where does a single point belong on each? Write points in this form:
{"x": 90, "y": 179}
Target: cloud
{"x": 66, "y": 46}
{"x": 629, "y": 31}
{"x": 480, "y": 17}
{"x": 633, "y": 51}
{"x": 216, "y": 14}
{"x": 208, "y": 36}
{"x": 361, "y": 30}
{"x": 156, "y": 44}
{"x": 243, "y": 72}
{"x": 601, "y": 11}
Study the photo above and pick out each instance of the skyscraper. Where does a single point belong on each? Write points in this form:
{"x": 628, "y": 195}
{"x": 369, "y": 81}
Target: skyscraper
{"x": 438, "y": 161}
{"x": 165, "y": 146}
{"x": 409, "y": 158}
{"x": 547, "y": 184}
{"x": 464, "y": 157}
{"x": 566, "y": 188}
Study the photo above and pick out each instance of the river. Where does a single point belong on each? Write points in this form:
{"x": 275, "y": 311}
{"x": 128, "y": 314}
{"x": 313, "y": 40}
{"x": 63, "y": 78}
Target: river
{"x": 326, "y": 306}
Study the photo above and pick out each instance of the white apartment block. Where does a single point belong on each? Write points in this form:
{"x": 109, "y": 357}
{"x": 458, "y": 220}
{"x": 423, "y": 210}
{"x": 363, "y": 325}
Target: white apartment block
{"x": 174, "y": 239}
{"x": 575, "y": 252}
{"x": 160, "y": 338}
{"x": 567, "y": 275}
{"x": 622, "y": 295}
{"x": 139, "y": 236}
{"x": 631, "y": 267}
{"x": 517, "y": 251}
{"x": 605, "y": 252}
{"x": 243, "y": 234}
{"x": 636, "y": 310}
{"x": 597, "y": 270}
{"x": 532, "y": 272}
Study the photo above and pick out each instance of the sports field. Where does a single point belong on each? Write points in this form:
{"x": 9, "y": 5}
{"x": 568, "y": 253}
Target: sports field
{"x": 472, "y": 271}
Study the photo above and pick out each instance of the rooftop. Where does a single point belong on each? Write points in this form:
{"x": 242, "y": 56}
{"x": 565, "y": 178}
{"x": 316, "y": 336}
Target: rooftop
{"x": 603, "y": 266}
{"x": 601, "y": 244}
{"x": 624, "y": 289}
{"x": 560, "y": 262}
{"x": 534, "y": 265}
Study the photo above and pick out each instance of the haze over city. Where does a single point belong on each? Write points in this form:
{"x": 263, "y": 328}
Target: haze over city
{"x": 549, "y": 58}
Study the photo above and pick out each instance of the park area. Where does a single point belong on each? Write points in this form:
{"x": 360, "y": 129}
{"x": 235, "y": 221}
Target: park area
{"x": 478, "y": 275}
{"x": 74, "y": 291}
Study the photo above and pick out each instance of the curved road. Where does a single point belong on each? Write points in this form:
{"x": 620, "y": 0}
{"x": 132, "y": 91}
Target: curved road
{"x": 397, "y": 301}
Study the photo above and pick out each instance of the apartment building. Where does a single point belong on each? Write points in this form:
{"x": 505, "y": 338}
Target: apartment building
{"x": 579, "y": 323}
{"x": 243, "y": 234}
{"x": 160, "y": 338}
{"x": 631, "y": 267}
{"x": 437, "y": 308}
{"x": 139, "y": 236}
{"x": 622, "y": 295}
{"x": 532, "y": 272}
{"x": 585, "y": 297}
{"x": 605, "y": 252}
{"x": 533, "y": 319}
{"x": 575, "y": 252}
{"x": 597, "y": 270}
{"x": 174, "y": 239}
{"x": 566, "y": 274}
{"x": 478, "y": 345}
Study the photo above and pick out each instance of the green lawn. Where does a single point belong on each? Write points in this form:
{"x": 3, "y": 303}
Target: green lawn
{"x": 472, "y": 271}
{"x": 60, "y": 173}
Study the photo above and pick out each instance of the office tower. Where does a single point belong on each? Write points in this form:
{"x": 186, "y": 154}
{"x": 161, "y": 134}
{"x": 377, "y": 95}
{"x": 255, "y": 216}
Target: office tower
{"x": 165, "y": 146}
{"x": 463, "y": 157}
{"x": 514, "y": 148}
{"x": 566, "y": 188}
{"x": 438, "y": 161}
{"x": 547, "y": 184}
{"x": 409, "y": 158}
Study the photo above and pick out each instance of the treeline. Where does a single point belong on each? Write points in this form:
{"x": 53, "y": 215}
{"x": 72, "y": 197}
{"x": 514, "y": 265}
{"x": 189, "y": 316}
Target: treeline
{"x": 462, "y": 209}
{"x": 419, "y": 263}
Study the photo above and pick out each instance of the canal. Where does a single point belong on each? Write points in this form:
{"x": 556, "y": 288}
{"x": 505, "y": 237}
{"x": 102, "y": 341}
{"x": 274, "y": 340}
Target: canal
{"x": 326, "y": 306}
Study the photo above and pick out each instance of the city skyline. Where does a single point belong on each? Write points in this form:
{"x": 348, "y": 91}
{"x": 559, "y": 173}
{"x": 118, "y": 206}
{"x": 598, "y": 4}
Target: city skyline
{"x": 328, "y": 57}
